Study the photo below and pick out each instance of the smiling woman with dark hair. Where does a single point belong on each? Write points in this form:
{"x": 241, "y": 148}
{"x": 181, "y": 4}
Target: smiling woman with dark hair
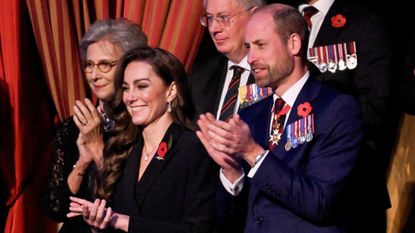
{"x": 168, "y": 181}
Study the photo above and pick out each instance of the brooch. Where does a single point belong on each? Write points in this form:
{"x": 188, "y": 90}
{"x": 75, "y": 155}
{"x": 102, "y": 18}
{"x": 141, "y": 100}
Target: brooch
{"x": 164, "y": 148}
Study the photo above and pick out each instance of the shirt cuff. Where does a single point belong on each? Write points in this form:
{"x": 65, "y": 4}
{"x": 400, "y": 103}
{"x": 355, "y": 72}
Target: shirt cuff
{"x": 254, "y": 169}
{"x": 235, "y": 188}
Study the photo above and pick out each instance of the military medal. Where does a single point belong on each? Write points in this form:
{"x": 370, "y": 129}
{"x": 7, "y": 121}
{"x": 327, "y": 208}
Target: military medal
{"x": 301, "y": 136}
{"x": 332, "y": 67}
{"x": 334, "y": 57}
{"x": 294, "y": 142}
{"x": 242, "y": 94}
{"x": 277, "y": 127}
{"x": 300, "y": 132}
{"x": 251, "y": 94}
{"x": 310, "y": 127}
{"x": 322, "y": 66}
{"x": 289, "y": 130}
{"x": 275, "y": 132}
{"x": 342, "y": 63}
{"x": 309, "y": 137}
{"x": 248, "y": 96}
{"x": 255, "y": 93}
{"x": 312, "y": 56}
{"x": 275, "y": 137}
{"x": 351, "y": 59}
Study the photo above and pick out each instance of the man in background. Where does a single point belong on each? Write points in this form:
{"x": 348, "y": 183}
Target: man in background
{"x": 348, "y": 50}
{"x": 295, "y": 151}
{"x": 215, "y": 81}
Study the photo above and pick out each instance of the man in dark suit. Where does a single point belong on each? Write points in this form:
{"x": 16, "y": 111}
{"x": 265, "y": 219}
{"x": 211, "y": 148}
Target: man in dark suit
{"x": 349, "y": 51}
{"x": 210, "y": 78}
{"x": 301, "y": 149}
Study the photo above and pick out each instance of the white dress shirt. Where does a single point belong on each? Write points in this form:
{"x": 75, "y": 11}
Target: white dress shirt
{"x": 323, "y": 7}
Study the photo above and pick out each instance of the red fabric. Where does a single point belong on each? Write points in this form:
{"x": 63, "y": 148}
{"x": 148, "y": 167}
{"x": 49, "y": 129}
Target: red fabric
{"x": 40, "y": 73}
{"x": 24, "y": 124}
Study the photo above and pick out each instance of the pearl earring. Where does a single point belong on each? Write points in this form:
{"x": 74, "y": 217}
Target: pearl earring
{"x": 168, "y": 106}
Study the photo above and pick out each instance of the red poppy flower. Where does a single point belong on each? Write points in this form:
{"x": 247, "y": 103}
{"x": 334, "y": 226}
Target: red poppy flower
{"x": 162, "y": 150}
{"x": 338, "y": 21}
{"x": 304, "y": 109}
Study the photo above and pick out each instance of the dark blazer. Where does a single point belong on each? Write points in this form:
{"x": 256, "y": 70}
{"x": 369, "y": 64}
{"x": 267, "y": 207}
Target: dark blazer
{"x": 370, "y": 83}
{"x": 206, "y": 81}
{"x": 305, "y": 189}
{"x": 175, "y": 194}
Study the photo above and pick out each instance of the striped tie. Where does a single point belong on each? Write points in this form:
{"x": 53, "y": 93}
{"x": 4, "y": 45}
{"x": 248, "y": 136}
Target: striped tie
{"x": 229, "y": 102}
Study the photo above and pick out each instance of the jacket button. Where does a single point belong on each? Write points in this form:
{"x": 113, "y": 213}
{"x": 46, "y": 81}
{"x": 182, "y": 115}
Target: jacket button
{"x": 259, "y": 220}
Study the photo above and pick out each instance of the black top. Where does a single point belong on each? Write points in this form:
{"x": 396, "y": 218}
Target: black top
{"x": 176, "y": 193}
{"x": 56, "y": 198}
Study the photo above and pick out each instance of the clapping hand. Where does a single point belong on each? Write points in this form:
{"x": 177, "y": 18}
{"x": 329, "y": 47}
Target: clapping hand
{"x": 227, "y": 142}
{"x": 94, "y": 214}
{"x": 90, "y": 141}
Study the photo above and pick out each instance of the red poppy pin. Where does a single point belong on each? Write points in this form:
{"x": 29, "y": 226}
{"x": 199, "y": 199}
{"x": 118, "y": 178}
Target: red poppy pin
{"x": 304, "y": 109}
{"x": 164, "y": 148}
{"x": 338, "y": 21}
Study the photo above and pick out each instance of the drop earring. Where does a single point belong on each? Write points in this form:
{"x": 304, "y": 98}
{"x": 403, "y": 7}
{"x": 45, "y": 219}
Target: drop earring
{"x": 168, "y": 106}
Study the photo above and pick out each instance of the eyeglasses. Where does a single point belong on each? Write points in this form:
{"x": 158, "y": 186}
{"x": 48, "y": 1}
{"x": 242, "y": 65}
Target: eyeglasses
{"x": 104, "y": 66}
{"x": 223, "y": 20}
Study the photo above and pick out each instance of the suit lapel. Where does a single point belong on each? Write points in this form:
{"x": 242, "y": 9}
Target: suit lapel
{"x": 218, "y": 79}
{"x": 258, "y": 117}
{"x": 265, "y": 124}
{"x": 157, "y": 164}
{"x": 126, "y": 185}
{"x": 307, "y": 94}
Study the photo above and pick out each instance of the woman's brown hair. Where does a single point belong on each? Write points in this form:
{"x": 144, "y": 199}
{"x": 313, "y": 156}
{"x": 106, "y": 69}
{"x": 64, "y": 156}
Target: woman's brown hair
{"x": 126, "y": 134}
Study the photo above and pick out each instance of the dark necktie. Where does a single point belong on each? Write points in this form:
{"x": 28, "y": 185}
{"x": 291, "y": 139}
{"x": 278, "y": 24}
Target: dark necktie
{"x": 278, "y": 119}
{"x": 229, "y": 102}
{"x": 308, "y": 13}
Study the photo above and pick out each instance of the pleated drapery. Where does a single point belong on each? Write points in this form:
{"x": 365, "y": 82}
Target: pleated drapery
{"x": 59, "y": 25}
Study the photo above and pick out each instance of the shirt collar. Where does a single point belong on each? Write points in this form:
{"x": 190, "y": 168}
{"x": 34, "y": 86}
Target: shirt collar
{"x": 244, "y": 64}
{"x": 322, "y": 6}
{"x": 291, "y": 94}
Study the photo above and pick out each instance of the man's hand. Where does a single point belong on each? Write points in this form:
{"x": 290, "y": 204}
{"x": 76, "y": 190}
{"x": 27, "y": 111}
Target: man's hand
{"x": 232, "y": 138}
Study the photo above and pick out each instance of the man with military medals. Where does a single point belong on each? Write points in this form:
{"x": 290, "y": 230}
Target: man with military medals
{"x": 292, "y": 153}
{"x": 349, "y": 51}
